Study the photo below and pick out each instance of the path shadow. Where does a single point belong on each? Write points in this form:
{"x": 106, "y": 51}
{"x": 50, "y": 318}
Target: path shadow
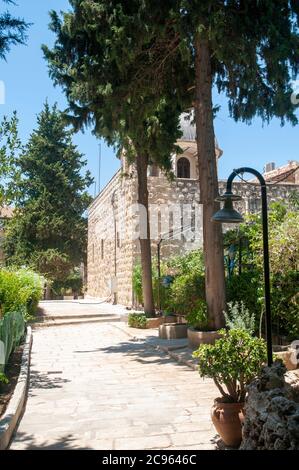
{"x": 41, "y": 380}
{"x": 143, "y": 351}
{"x": 28, "y": 442}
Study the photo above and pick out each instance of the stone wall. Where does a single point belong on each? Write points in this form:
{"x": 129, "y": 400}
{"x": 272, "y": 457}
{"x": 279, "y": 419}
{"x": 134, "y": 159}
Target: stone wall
{"x": 272, "y": 411}
{"x": 175, "y": 215}
{"x": 110, "y": 250}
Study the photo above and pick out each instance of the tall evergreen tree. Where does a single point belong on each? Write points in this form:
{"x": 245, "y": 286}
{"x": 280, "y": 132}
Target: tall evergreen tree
{"x": 12, "y": 31}
{"x": 48, "y": 230}
{"x": 249, "y": 50}
{"x": 10, "y": 147}
{"x": 145, "y": 127}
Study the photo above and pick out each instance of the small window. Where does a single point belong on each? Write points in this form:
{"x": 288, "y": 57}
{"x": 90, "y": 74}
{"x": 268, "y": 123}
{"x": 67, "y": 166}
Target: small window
{"x": 183, "y": 168}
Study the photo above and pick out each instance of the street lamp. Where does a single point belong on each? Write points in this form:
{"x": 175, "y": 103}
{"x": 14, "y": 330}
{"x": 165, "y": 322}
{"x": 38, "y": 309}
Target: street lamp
{"x": 229, "y": 215}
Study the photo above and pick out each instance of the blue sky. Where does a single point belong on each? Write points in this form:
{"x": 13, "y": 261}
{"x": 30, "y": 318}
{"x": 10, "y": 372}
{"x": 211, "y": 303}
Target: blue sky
{"x": 28, "y": 86}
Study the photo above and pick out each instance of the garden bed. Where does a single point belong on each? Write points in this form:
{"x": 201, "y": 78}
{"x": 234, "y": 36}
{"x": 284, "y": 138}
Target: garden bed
{"x": 12, "y": 373}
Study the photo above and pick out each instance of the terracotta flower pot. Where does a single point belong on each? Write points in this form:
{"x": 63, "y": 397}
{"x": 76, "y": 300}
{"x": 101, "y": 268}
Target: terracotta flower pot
{"x": 227, "y": 419}
{"x": 196, "y": 337}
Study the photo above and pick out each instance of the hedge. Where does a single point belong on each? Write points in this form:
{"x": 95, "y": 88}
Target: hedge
{"x": 20, "y": 292}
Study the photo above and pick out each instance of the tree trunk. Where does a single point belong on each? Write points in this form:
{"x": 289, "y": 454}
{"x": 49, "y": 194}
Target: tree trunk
{"x": 145, "y": 243}
{"x": 208, "y": 182}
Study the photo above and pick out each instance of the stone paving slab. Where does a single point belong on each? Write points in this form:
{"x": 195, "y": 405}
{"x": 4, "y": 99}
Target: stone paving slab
{"x": 93, "y": 387}
{"x": 177, "y": 348}
{"x": 71, "y": 308}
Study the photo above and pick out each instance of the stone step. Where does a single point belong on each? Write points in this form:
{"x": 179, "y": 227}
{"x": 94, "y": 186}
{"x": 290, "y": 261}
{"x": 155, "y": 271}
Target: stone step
{"x": 102, "y": 319}
{"x": 78, "y": 316}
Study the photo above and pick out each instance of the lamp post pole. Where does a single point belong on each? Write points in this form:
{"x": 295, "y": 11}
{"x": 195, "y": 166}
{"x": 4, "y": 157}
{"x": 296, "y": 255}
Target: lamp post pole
{"x": 159, "y": 272}
{"x": 265, "y": 248}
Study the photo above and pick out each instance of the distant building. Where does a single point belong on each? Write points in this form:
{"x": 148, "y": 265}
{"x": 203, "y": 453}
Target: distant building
{"x": 175, "y": 216}
{"x": 288, "y": 173}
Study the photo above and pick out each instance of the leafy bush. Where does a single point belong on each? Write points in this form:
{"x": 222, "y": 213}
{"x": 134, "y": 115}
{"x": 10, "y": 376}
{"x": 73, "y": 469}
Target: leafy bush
{"x": 284, "y": 263}
{"x": 72, "y": 283}
{"x": 186, "y": 293}
{"x": 20, "y": 291}
{"x": 247, "y": 288}
{"x": 186, "y": 289}
{"x": 137, "y": 283}
{"x": 232, "y": 362}
{"x": 198, "y": 317}
{"x": 238, "y": 317}
{"x": 137, "y": 320}
{"x": 189, "y": 262}
{"x": 3, "y": 379}
{"x": 285, "y": 303}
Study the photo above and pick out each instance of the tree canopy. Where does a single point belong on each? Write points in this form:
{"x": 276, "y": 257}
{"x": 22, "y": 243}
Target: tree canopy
{"x": 145, "y": 50}
{"x": 12, "y": 31}
{"x": 48, "y": 230}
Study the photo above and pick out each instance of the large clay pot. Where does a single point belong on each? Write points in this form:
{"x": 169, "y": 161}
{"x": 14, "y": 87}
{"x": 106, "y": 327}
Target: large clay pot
{"x": 196, "y": 337}
{"x": 227, "y": 419}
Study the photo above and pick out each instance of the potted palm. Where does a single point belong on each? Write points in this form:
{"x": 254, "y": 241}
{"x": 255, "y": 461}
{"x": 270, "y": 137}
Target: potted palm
{"x": 232, "y": 362}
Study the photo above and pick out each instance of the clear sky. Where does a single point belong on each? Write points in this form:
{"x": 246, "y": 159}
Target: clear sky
{"x": 27, "y": 84}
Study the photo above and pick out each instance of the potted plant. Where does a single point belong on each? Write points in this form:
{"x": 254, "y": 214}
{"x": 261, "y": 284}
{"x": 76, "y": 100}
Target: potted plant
{"x": 232, "y": 362}
{"x": 199, "y": 331}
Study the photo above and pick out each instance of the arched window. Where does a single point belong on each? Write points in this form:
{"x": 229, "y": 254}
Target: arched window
{"x": 183, "y": 168}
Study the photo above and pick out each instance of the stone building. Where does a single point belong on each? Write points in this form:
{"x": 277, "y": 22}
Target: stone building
{"x": 175, "y": 217}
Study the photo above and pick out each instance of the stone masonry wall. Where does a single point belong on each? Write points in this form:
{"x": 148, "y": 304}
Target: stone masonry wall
{"x": 272, "y": 411}
{"x": 175, "y": 215}
{"x": 104, "y": 248}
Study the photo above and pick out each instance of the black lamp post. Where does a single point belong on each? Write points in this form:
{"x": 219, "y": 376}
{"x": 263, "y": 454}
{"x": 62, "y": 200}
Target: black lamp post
{"x": 229, "y": 215}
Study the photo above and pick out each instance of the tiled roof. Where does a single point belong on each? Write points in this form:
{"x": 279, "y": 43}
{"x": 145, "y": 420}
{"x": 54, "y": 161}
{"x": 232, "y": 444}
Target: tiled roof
{"x": 286, "y": 172}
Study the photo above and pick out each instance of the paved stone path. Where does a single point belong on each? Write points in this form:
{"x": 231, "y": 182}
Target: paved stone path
{"x": 92, "y": 387}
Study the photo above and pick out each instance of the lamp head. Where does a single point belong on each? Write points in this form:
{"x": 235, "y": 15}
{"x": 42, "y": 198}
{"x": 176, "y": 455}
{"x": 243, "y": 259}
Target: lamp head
{"x": 228, "y": 215}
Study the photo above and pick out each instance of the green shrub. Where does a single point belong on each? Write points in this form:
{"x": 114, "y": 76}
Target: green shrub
{"x": 184, "y": 264}
{"x": 246, "y": 288}
{"x": 284, "y": 262}
{"x": 238, "y": 317}
{"x": 3, "y": 379}
{"x": 137, "y": 283}
{"x": 198, "y": 317}
{"x": 137, "y": 320}
{"x": 186, "y": 288}
{"x": 20, "y": 290}
{"x": 285, "y": 304}
{"x": 185, "y": 293}
{"x": 232, "y": 362}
